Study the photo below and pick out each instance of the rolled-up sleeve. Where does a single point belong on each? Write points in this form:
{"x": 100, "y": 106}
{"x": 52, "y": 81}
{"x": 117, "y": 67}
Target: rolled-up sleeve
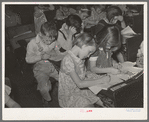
{"x": 32, "y": 56}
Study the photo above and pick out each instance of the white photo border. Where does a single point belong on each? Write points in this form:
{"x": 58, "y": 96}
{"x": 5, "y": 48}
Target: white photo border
{"x": 75, "y": 113}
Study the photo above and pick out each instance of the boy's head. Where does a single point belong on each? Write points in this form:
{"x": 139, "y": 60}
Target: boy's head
{"x": 48, "y": 32}
{"x": 112, "y": 12}
{"x": 74, "y": 21}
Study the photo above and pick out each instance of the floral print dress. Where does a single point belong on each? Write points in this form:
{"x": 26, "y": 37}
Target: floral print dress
{"x": 69, "y": 94}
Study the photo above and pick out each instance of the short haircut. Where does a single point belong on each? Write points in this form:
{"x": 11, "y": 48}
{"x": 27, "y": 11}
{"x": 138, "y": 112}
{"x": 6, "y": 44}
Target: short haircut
{"x": 110, "y": 35}
{"x": 49, "y": 27}
{"x": 74, "y": 21}
{"x": 113, "y": 11}
{"x": 84, "y": 38}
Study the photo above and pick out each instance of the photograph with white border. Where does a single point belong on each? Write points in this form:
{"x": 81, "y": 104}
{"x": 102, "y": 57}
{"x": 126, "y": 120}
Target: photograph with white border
{"x": 74, "y": 60}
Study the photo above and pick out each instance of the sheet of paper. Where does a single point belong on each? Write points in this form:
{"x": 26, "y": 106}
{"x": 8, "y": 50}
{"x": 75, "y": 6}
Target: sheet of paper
{"x": 128, "y": 32}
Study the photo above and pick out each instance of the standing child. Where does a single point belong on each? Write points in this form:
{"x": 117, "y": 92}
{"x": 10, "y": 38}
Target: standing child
{"x": 39, "y": 50}
{"x": 73, "y": 88}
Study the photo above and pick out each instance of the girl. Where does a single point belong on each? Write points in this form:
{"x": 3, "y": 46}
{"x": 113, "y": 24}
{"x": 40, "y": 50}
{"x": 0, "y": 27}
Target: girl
{"x": 72, "y": 91}
{"x": 108, "y": 44}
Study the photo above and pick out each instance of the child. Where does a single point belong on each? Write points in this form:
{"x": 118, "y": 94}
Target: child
{"x": 9, "y": 102}
{"x": 72, "y": 91}
{"x": 40, "y": 16}
{"x": 83, "y": 12}
{"x": 113, "y": 17}
{"x": 63, "y": 12}
{"x": 140, "y": 55}
{"x": 97, "y": 14}
{"x": 101, "y": 61}
{"x": 67, "y": 32}
{"x": 39, "y": 50}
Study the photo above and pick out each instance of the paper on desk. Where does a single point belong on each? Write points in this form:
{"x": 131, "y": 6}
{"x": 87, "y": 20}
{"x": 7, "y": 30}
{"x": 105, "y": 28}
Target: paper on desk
{"x": 114, "y": 80}
{"x": 129, "y": 66}
{"x": 128, "y": 32}
{"x": 118, "y": 78}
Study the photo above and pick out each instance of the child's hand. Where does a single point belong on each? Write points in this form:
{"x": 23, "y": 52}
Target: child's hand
{"x": 120, "y": 18}
{"x": 45, "y": 56}
{"x": 72, "y": 30}
{"x": 106, "y": 79}
{"x": 117, "y": 65}
{"x": 114, "y": 71}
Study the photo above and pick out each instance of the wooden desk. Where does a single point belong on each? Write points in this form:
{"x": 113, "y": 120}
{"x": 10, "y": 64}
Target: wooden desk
{"x": 125, "y": 94}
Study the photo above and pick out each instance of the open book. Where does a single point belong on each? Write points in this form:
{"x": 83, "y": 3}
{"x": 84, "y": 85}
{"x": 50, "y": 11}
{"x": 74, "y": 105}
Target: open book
{"x": 128, "y": 32}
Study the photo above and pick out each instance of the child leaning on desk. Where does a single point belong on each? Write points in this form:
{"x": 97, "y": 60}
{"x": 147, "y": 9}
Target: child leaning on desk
{"x": 109, "y": 44}
{"x": 73, "y": 88}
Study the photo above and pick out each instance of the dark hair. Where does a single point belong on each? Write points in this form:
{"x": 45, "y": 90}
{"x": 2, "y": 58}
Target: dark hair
{"x": 84, "y": 38}
{"x": 113, "y": 11}
{"x": 110, "y": 35}
{"x": 49, "y": 27}
{"x": 75, "y": 21}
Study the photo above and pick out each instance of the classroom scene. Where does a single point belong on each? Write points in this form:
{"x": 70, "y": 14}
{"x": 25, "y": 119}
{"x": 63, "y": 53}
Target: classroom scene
{"x": 74, "y": 56}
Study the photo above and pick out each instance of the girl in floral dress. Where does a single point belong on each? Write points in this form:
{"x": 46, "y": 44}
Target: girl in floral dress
{"x": 73, "y": 88}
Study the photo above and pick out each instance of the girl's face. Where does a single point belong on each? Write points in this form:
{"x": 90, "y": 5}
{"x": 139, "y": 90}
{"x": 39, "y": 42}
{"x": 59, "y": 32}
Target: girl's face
{"x": 86, "y": 51}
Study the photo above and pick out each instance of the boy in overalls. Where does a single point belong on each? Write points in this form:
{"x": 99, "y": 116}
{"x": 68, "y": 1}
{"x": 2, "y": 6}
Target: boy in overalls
{"x": 40, "y": 50}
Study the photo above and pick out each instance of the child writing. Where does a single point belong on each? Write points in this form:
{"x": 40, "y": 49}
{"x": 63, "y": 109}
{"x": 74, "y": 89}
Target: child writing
{"x": 73, "y": 88}
{"x": 113, "y": 17}
{"x": 110, "y": 42}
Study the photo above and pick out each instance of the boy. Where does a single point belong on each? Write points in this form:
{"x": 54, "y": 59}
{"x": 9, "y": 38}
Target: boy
{"x": 40, "y": 50}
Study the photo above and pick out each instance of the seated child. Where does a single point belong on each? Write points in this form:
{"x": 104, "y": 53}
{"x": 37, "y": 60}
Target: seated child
{"x": 83, "y": 12}
{"x": 113, "y": 17}
{"x": 69, "y": 29}
{"x": 108, "y": 45}
{"x": 63, "y": 12}
{"x": 9, "y": 102}
{"x": 140, "y": 56}
{"x": 40, "y": 16}
{"x": 40, "y": 50}
{"x": 73, "y": 88}
{"x": 97, "y": 14}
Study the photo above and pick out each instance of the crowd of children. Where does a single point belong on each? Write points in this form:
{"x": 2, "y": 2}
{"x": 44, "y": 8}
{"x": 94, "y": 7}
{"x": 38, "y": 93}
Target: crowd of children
{"x": 86, "y": 32}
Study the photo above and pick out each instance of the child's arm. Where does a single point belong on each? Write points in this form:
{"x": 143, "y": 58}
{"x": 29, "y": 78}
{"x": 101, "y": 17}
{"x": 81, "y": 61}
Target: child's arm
{"x": 31, "y": 56}
{"x": 87, "y": 83}
{"x": 11, "y": 103}
{"x": 120, "y": 57}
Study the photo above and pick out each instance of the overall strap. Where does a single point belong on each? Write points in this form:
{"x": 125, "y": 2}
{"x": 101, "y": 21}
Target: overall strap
{"x": 63, "y": 34}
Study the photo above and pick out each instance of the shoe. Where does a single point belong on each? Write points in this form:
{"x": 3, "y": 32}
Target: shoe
{"x": 45, "y": 103}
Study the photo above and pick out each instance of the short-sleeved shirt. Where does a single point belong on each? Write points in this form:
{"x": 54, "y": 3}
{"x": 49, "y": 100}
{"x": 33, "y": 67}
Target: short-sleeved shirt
{"x": 69, "y": 94}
